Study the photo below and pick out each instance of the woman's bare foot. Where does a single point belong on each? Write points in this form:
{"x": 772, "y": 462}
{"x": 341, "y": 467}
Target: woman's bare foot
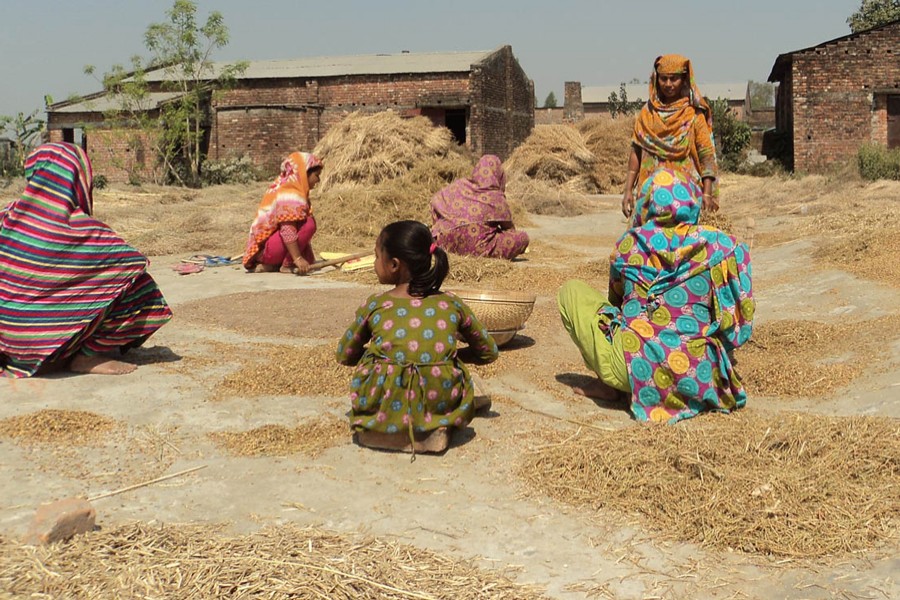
{"x": 99, "y": 365}
{"x": 597, "y": 389}
{"x": 261, "y": 268}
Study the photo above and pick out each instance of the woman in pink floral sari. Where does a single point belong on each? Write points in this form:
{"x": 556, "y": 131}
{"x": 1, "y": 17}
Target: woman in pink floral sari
{"x": 471, "y": 216}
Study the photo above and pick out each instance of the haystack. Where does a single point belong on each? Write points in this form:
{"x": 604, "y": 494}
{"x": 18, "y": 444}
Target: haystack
{"x": 381, "y": 168}
{"x": 610, "y": 141}
{"x": 555, "y": 154}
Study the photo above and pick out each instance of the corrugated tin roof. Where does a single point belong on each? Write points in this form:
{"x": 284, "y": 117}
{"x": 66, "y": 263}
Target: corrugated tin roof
{"x": 600, "y": 94}
{"x": 364, "y": 64}
{"x": 105, "y": 102}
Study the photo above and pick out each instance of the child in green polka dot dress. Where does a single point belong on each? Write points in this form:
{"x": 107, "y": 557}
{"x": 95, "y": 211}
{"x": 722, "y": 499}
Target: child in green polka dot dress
{"x": 409, "y": 387}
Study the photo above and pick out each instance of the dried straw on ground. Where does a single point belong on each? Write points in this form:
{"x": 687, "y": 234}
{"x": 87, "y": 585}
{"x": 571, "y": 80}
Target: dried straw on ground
{"x": 381, "y": 168}
{"x": 309, "y": 438}
{"x": 555, "y": 154}
{"x": 191, "y": 561}
{"x": 65, "y": 427}
{"x": 166, "y": 220}
{"x": 610, "y": 141}
{"x": 792, "y": 485}
{"x": 272, "y": 370}
{"x": 808, "y": 358}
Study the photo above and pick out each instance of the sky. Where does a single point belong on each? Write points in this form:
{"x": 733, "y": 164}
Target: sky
{"x": 44, "y": 46}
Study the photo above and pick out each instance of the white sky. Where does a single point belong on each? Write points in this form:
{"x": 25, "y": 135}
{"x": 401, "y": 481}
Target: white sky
{"x": 45, "y": 45}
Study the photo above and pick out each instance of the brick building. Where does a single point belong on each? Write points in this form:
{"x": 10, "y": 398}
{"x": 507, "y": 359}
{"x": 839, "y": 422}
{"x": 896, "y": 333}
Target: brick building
{"x": 837, "y": 95}
{"x": 484, "y": 98}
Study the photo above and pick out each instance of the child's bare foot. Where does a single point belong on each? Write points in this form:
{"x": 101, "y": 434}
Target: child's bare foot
{"x": 597, "y": 389}
{"x": 100, "y": 365}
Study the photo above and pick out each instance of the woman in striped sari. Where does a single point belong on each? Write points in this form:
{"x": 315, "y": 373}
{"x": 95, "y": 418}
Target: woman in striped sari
{"x": 72, "y": 292}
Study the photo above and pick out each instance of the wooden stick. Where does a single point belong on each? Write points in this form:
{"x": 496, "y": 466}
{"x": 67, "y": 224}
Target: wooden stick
{"x": 145, "y": 483}
{"x": 338, "y": 261}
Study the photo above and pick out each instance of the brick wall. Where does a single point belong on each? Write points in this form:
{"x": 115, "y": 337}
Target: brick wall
{"x": 124, "y": 155}
{"x": 502, "y": 113}
{"x": 838, "y": 101}
{"x": 548, "y": 116}
{"x": 119, "y": 153}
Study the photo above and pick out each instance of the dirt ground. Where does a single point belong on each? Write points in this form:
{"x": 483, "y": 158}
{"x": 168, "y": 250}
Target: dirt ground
{"x": 468, "y": 503}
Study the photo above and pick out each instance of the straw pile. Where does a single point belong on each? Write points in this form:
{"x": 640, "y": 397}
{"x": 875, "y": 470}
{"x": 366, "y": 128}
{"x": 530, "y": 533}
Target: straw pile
{"x": 787, "y": 485}
{"x": 190, "y": 561}
{"x": 372, "y": 148}
{"x": 555, "y": 154}
{"x": 273, "y": 370}
{"x": 381, "y": 168}
{"x": 310, "y": 439}
{"x": 808, "y": 358}
{"x": 542, "y": 198}
{"x": 64, "y": 427}
{"x": 610, "y": 141}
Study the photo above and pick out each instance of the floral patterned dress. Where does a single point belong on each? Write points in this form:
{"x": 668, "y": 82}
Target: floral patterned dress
{"x": 409, "y": 379}
{"x": 681, "y": 298}
{"x": 472, "y": 217}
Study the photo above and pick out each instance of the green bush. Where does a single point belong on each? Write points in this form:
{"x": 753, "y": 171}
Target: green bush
{"x": 732, "y": 135}
{"x": 100, "y": 182}
{"x": 229, "y": 170}
{"x": 877, "y": 162}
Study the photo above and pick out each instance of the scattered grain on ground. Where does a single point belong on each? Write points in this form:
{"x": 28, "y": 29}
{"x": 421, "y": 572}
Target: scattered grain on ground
{"x": 788, "y": 485}
{"x": 174, "y": 561}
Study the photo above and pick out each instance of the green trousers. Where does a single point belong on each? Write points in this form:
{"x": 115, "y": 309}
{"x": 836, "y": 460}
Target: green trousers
{"x": 578, "y": 307}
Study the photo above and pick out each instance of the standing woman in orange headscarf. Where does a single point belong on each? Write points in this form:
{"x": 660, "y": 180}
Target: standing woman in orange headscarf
{"x": 281, "y": 235}
{"x": 673, "y": 130}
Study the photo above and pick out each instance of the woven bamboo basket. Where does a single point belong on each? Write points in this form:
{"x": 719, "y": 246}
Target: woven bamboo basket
{"x": 501, "y": 338}
{"x": 500, "y": 312}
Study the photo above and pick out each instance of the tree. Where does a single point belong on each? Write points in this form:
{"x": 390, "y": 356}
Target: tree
{"x": 762, "y": 95}
{"x": 135, "y": 115}
{"x": 872, "y": 13}
{"x": 732, "y": 135}
{"x": 26, "y": 133}
{"x": 550, "y": 101}
{"x": 620, "y": 105}
{"x": 182, "y": 50}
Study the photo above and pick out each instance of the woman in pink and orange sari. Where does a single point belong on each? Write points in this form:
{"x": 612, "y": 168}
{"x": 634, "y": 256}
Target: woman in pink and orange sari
{"x": 471, "y": 216}
{"x": 281, "y": 235}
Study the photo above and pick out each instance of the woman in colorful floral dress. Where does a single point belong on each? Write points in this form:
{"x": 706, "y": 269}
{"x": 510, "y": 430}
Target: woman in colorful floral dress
{"x": 409, "y": 388}
{"x": 674, "y": 130}
{"x": 680, "y": 300}
{"x": 471, "y": 216}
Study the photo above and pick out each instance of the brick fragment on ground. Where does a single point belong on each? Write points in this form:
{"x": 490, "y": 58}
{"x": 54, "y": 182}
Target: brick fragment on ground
{"x": 59, "y": 521}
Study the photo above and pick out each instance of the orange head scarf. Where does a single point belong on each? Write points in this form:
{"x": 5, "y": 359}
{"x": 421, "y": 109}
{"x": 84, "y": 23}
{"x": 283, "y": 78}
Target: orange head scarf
{"x": 664, "y": 129}
{"x": 286, "y": 200}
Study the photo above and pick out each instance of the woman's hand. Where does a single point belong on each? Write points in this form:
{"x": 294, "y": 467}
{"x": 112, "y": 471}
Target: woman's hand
{"x": 627, "y": 203}
{"x": 301, "y": 266}
{"x": 711, "y": 203}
